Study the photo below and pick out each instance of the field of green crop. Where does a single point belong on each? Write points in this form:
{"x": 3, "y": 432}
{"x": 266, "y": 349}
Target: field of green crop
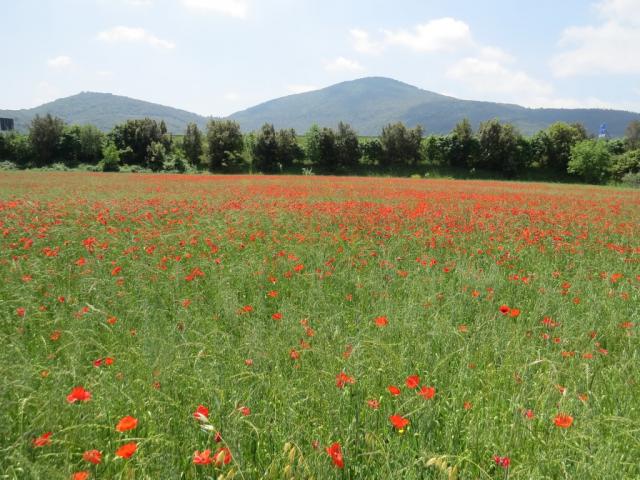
{"x": 254, "y": 327}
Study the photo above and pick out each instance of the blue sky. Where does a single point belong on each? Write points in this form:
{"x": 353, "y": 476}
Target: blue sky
{"x": 214, "y": 57}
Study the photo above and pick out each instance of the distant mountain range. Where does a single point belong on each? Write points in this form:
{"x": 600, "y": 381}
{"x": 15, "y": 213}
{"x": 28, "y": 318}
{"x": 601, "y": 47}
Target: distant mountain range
{"x": 367, "y": 104}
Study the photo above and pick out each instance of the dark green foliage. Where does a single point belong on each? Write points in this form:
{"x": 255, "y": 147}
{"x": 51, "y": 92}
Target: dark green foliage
{"x": 347, "y": 147}
{"x": 501, "y": 148}
{"x": 225, "y": 145}
{"x": 556, "y": 142}
{"x": 80, "y": 144}
{"x": 463, "y": 146}
{"x": 289, "y": 151}
{"x": 321, "y": 147}
{"x": 45, "y": 135}
{"x": 624, "y": 164}
{"x": 134, "y": 137}
{"x": 265, "y": 150}
{"x": 110, "y": 158}
{"x": 591, "y": 160}
{"x": 400, "y": 145}
{"x": 632, "y": 135}
{"x": 371, "y": 150}
{"x": 192, "y": 144}
{"x": 156, "y": 156}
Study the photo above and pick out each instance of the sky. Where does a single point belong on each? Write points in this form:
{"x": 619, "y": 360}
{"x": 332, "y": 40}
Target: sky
{"x": 215, "y": 57}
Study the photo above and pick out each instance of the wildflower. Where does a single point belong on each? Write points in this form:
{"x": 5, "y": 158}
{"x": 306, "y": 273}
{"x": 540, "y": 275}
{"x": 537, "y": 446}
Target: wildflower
{"x": 277, "y": 316}
{"x": 222, "y": 457}
{"x": 92, "y": 456}
{"x": 342, "y": 379}
{"x": 335, "y": 452}
{"x": 201, "y": 413}
{"x": 127, "y": 450}
{"x": 427, "y": 392}
{"x": 245, "y": 411}
{"x": 81, "y": 475}
{"x": 127, "y": 423}
{"x": 503, "y": 462}
{"x": 78, "y": 394}
{"x": 504, "y": 309}
{"x": 412, "y": 381}
{"x": 398, "y": 422}
{"x": 373, "y": 404}
{"x": 381, "y": 321}
{"x": 563, "y": 421}
{"x": 393, "y": 390}
{"x": 43, "y": 440}
{"x": 529, "y": 414}
{"x": 20, "y": 311}
{"x": 202, "y": 458}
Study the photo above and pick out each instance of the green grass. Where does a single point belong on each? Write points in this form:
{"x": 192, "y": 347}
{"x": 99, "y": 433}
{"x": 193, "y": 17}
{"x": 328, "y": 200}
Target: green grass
{"x": 359, "y": 241}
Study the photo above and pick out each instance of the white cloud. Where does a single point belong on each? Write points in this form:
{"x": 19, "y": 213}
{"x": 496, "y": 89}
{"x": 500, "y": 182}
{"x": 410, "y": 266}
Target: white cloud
{"x": 233, "y": 8}
{"x": 609, "y": 47}
{"x": 342, "y": 64}
{"x": 625, "y": 11}
{"x": 133, "y": 35}
{"x": 301, "y": 88}
{"x": 362, "y": 42}
{"x": 489, "y": 76}
{"x": 60, "y": 61}
{"x": 443, "y": 34}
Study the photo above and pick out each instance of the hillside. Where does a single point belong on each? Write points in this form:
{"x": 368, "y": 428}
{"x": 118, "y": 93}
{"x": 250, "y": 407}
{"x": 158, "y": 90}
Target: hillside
{"x": 367, "y": 104}
{"x": 105, "y": 110}
{"x": 370, "y": 103}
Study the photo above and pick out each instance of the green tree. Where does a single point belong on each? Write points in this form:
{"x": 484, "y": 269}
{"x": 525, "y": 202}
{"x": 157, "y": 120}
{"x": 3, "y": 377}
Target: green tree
{"x": 289, "y": 150}
{"x": 134, "y": 137}
{"x": 591, "y": 160}
{"x": 557, "y": 142}
{"x": 437, "y": 149}
{"x": 192, "y": 144}
{"x": 347, "y": 147}
{"x": 502, "y": 148}
{"x": 463, "y": 145}
{"x": 321, "y": 148}
{"x": 627, "y": 163}
{"x": 265, "y": 150}
{"x": 110, "y": 158}
{"x": 400, "y": 145}
{"x": 224, "y": 144}
{"x": 632, "y": 135}
{"x": 156, "y": 156}
{"x": 45, "y": 134}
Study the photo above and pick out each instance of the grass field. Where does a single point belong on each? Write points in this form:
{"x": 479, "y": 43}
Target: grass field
{"x": 316, "y": 327}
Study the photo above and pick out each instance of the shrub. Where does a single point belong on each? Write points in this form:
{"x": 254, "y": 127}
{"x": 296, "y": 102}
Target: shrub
{"x": 591, "y": 160}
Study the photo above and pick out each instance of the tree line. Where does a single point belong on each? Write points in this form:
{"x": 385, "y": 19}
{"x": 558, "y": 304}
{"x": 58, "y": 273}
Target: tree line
{"x": 145, "y": 144}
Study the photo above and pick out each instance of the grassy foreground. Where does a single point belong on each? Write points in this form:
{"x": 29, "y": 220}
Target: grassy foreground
{"x": 317, "y": 327}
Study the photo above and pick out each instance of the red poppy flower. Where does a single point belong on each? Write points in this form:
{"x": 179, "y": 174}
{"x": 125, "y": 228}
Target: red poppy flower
{"x": 342, "y": 379}
{"x": 277, "y": 316}
{"x": 393, "y": 390}
{"x": 127, "y": 423}
{"x": 43, "y": 440}
{"x": 514, "y": 312}
{"x": 504, "y": 309}
{"x": 381, "y": 321}
{"x": 427, "y": 392}
{"x": 503, "y": 462}
{"x": 222, "y": 457}
{"x": 82, "y": 475}
{"x": 398, "y": 422}
{"x": 563, "y": 421}
{"x": 412, "y": 381}
{"x": 116, "y": 271}
{"x": 529, "y": 414}
{"x": 201, "y": 413}
{"x": 335, "y": 452}
{"x": 92, "y": 456}
{"x": 127, "y": 450}
{"x": 373, "y": 403}
{"x": 202, "y": 458}
{"x": 20, "y": 311}
{"x": 245, "y": 411}
{"x": 78, "y": 394}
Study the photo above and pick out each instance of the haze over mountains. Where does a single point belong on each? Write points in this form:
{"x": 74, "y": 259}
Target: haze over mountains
{"x": 367, "y": 104}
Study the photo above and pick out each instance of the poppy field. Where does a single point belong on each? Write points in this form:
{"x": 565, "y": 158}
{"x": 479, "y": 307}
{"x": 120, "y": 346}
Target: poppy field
{"x": 257, "y": 327}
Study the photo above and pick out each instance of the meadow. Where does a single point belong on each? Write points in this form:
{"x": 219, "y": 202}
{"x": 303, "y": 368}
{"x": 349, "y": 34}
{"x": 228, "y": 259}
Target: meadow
{"x": 257, "y": 327}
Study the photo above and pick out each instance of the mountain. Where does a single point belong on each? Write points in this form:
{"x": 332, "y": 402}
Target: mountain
{"x": 370, "y": 103}
{"x": 367, "y": 104}
{"x": 105, "y": 110}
